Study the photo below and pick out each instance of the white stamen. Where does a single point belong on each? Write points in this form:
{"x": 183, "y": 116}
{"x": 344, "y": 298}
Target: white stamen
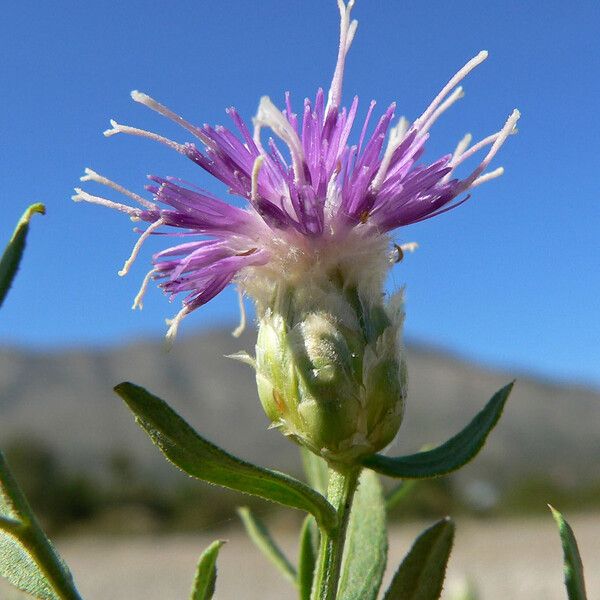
{"x": 508, "y": 129}
{"x": 462, "y": 145}
{"x": 138, "y": 301}
{"x": 81, "y": 195}
{"x": 255, "y": 171}
{"x": 457, "y": 94}
{"x": 454, "y": 81}
{"x": 270, "y": 116}
{"x": 242, "y": 325}
{"x": 396, "y": 137}
{"x": 138, "y": 246}
{"x": 169, "y": 114}
{"x": 118, "y": 128}
{"x": 347, "y": 33}
{"x": 174, "y": 326}
{"x": 93, "y": 176}
{"x": 490, "y": 139}
{"x": 351, "y": 33}
{"x": 488, "y": 176}
{"x": 409, "y": 247}
{"x": 402, "y": 127}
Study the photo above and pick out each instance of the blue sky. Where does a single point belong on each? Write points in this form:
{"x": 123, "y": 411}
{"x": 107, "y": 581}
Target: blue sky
{"x": 511, "y": 278}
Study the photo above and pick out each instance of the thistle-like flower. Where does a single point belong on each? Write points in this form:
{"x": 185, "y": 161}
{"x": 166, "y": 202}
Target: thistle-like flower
{"x": 311, "y": 247}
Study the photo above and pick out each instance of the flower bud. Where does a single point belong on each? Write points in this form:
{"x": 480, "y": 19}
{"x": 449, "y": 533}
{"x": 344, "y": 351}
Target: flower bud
{"x": 329, "y": 369}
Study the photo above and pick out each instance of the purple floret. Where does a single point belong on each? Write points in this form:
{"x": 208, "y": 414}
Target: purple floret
{"x": 311, "y": 187}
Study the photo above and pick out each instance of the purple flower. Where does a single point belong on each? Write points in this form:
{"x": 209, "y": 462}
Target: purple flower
{"x": 317, "y": 203}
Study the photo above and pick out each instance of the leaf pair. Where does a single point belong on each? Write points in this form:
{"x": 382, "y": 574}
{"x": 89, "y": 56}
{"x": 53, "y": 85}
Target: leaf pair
{"x": 27, "y": 558}
{"x": 203, "y": 460}
{"x": 365, "y": 552}
{"x": 421, "y": 574}
{"x": 302, "y": 576}
{"x": 366, "y": 549}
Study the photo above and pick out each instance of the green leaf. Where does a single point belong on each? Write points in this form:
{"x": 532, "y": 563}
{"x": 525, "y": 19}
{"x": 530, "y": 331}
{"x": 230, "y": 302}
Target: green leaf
{"x": 450, "y": 456}
{"x": 307, "y": 558}
{"x": 27, "y": 558}
{"x": 9, "y": 263}
{"x": 573, "y": 567}
{"x": 399, "y": 493}
{"x": 316, "y": 470}
{"x": 365, "y": 554}
{"x": 259, "y": 534}
{"x": 203, "y": 460}
{"x": 421, "y": 574}
{"x": 206, "y": 573}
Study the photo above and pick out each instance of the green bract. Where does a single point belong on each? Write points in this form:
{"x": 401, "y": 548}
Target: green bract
{"x": 329, "y": 369}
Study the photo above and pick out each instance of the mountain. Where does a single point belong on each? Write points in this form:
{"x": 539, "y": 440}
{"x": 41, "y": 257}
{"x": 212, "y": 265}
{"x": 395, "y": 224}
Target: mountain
{"x": 65, "y": 400}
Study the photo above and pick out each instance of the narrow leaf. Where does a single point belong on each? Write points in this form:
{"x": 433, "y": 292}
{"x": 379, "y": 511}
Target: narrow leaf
{"x": 206, "y": 573}
{"x": 203, "y": 460}
{"x": 421, "y": 574}
{"x": 573, "y": 567}
{"x": 307, "y": 558}
{"x": 9, "y": 263}
{"x": 399, "y": 493}
{"x": 259, "y": 534}
{"x": 27, "y": 558}
{"x": 315, "y": 469}
{"x": 450, "y": 456}
{"x": 365, "y": 554}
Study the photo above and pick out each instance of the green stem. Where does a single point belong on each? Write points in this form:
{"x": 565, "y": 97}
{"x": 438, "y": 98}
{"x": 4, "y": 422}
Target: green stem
{"x": 30, "y": 534}
{"x": 340, "y": 493}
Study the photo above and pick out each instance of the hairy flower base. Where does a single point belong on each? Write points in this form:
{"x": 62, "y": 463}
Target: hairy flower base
{"x": 329, "y": 369}
{"x": 329, "y": 205}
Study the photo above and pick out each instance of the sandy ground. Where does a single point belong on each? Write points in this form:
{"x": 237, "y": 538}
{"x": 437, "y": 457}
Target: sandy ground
{"x": 513, "y": 559}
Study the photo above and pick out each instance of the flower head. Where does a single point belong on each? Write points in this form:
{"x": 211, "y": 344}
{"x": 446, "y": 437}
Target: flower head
{"x": 329, "y": 368}
{"x": 317, "y": 203}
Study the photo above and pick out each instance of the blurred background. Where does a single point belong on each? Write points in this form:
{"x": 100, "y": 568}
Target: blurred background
{"x": 505, "y": 286}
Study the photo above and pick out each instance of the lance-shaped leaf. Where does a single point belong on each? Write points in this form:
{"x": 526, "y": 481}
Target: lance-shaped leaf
{"x": 27, "y": 558}
{"x": 259, "y": 534}
{"x": 203, "y": 460}
{"x": 307, "y": 558}
{"x": 206, "y": 573}
{"x": 365, "y": 553}
{"x": 448, "y": 457}
{"x": 573, "y": 567}
{"x": 9, "y": 263}
{"x": 421, "y": 574}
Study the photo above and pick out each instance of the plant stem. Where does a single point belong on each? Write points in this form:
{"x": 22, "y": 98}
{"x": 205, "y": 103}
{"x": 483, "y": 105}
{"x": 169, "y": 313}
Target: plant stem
{"x": 340, "y": 493}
